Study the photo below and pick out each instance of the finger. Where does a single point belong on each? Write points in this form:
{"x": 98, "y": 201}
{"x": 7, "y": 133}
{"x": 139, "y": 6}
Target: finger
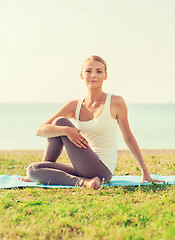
{"x": 83, "y": 140}
{"x": 86, "y": 142}
{"x": 143, "y": 179}
{"x": 77, "y": 144}
{"x": 157, "y": 180}
{"x": 81, "y": 144}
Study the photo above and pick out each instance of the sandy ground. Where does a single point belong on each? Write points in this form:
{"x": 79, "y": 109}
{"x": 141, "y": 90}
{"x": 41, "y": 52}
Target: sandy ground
{"x": 40, "y": 151}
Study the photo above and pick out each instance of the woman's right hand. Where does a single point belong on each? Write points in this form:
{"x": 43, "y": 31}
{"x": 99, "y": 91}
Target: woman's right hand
{"x": 75, "y": 136}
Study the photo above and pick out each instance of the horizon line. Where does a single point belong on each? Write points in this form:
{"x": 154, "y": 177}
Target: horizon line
{"x": 67, "y": 101}
{"x": 27, "y": 102}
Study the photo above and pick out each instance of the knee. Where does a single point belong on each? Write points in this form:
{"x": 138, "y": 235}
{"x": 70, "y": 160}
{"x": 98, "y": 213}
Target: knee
{"x": 31, "y": 170}
{"x": 62, "y": 121}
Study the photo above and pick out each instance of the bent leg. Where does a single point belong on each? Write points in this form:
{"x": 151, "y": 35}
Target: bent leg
{"x": 85, "y": 163}
{"x": 54, "y": 174}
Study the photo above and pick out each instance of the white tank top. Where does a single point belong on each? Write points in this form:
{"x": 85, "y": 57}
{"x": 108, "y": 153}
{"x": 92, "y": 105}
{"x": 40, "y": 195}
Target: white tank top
{"x": 101, "y": 133}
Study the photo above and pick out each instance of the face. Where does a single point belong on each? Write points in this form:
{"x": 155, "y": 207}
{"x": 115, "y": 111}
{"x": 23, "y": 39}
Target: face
{"x": 93, "y": 73}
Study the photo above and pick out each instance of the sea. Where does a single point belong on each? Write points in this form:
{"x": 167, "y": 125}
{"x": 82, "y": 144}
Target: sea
{"x": 153, "y": 125}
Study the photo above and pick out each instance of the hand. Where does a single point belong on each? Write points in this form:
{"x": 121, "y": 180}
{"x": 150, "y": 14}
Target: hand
{"x": 75, "y": 136}
{"x": 146, "y": 177}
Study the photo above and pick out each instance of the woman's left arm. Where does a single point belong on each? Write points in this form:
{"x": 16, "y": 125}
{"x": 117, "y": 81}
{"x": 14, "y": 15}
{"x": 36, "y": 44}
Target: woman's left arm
{"x": 122, "y": 118}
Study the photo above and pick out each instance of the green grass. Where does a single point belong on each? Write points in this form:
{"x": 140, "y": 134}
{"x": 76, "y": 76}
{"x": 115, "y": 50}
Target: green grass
{"x": 144, "y": 212}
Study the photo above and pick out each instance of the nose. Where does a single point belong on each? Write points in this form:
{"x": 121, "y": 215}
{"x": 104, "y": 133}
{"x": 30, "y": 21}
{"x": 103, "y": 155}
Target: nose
{"x": 93, "y": 75}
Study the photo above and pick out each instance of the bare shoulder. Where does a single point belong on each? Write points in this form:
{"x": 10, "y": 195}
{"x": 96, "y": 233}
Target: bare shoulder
{"x": 67, "y": 110}
{"x": 117, "y": 105}
{"x": 70, "y": 108}
{"x": 71, "y": 104}
{"x": 117, "y": 100}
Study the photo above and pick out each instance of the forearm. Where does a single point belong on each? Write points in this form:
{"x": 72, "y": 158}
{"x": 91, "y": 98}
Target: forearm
{"x": 49, "y": 130}
{"x": 134, "y": 148}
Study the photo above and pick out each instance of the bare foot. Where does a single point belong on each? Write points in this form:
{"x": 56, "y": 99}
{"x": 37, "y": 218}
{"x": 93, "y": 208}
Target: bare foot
{"x": 92, "y": 183}
{"x": 25, "y": 179}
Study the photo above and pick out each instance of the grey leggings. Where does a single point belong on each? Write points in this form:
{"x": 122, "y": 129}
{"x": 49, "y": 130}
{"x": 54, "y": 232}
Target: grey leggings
{"x": 85, "y": 163}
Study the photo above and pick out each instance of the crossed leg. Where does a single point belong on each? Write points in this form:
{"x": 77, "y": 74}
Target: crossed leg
{"x": 86, "y": 168}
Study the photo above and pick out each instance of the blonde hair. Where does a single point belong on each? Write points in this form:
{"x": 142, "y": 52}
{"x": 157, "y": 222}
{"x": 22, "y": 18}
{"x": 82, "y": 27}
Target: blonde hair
{"x": 94, "y": 58}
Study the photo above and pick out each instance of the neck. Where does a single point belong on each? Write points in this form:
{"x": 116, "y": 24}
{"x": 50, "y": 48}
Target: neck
{"x": 95, "y": 95}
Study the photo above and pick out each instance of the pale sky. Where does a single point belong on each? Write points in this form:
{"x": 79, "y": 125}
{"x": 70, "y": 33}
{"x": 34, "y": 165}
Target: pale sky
{"x": 43, "y": 43}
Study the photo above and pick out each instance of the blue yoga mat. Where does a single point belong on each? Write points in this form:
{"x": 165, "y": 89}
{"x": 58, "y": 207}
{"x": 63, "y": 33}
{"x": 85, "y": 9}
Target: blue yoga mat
{"x": 11, "y": 181}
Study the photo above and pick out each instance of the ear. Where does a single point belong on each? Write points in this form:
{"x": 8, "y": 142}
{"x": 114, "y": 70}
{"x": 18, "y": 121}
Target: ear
{"x": 81, "y": 75}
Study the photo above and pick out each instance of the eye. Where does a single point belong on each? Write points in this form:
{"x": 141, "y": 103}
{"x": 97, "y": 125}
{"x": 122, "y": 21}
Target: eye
{"x": 99, "y": 71}
{"x": 88, "y": 71}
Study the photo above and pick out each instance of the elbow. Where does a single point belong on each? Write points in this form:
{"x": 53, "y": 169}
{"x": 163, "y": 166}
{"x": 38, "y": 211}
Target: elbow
{"x": 38, "y": 132}
{"x": 128, "y": 140}
{"x": 42, "y": 130}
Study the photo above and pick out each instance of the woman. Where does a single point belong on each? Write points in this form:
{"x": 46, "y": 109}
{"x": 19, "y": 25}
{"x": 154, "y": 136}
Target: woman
{"x": 92, "y": 146}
